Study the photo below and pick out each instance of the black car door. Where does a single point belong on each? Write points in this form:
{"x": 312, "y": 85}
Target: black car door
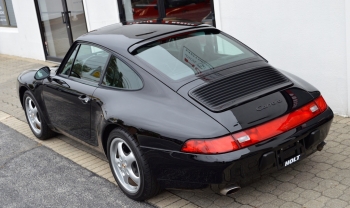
{"x": 68, "y": 95}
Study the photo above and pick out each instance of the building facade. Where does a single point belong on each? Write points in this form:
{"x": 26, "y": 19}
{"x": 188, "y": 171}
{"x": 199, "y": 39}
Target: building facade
{"x": 308, "y": 38}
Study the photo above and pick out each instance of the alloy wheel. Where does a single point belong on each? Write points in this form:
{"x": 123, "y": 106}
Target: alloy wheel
{"x": 33, "y": 115}
{"x": 125, "y": 165}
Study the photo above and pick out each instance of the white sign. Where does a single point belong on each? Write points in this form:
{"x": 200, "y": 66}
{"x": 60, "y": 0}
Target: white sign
{"x": 194, "y": 61}
{"x": 292, "y": 160}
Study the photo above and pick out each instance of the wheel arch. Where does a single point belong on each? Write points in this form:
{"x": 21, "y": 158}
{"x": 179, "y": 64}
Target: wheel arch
{"x": 109, "y": 128}
{"x": 22, "y": 90}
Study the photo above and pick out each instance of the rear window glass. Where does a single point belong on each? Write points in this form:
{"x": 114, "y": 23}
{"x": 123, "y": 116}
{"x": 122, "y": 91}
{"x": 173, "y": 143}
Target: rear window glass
{"x": 191, "y": 53}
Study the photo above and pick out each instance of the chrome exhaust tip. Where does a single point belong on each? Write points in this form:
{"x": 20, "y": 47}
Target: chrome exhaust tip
{"x": 230, "y": 189}
{"x": 320, "y": 146}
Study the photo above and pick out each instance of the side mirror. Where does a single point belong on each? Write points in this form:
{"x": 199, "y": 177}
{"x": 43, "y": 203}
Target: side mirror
{"x": 42, "y": 73}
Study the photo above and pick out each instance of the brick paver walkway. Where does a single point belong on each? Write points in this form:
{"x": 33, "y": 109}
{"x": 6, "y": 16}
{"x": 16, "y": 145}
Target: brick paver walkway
{"x": 321, "y": 180}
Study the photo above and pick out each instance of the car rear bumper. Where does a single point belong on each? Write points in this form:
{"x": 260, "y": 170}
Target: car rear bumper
{"x": 183, "y": 170}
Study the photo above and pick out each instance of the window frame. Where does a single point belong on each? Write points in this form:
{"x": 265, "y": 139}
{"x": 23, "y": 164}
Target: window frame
{"x": 65, "y": 61}
{"x": 78, "y": 43}
{"x": 7, "y": 16}
{"x": 82, "y": 80}
{"x": 67, "y": 57}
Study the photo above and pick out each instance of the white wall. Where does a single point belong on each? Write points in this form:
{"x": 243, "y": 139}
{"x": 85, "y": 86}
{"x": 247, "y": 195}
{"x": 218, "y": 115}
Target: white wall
{"x": 347, "y": 11}
{"x": 25, "y": 40}
{"x": 307, "y": 38}
{"x": 101, "y": 13}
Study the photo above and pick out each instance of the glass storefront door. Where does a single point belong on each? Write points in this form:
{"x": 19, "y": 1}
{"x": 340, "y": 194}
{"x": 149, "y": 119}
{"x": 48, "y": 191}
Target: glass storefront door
{"x": 62, "y": 21}
{"x": 76, "y": 18}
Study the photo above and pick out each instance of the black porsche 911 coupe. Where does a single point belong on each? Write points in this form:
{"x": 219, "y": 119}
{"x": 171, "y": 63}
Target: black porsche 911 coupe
{"x": 176, "y": 105}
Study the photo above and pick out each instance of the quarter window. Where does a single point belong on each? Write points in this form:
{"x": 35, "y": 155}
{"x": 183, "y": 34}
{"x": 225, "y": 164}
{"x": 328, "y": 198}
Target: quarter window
{"x": 89, "y": 63}
{"x": 7, "y": 15}
{"x": 119, "y": 75}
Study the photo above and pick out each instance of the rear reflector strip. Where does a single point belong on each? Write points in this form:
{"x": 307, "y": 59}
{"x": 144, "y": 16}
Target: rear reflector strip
{"x": 314, "y": 108}
{"x": 256, "y": 134}
{"x": 321, "y": 103}
{"x": 244, "y": 138}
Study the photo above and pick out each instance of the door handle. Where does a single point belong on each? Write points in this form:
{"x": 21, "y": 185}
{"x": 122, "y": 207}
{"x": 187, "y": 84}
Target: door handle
{"x": 63, "y": 17}
{"x": 84, "y": 99}
{"x": 61, "y": 82}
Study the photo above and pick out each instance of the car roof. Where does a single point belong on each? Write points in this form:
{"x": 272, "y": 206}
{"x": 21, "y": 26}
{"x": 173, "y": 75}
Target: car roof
{"x": 119, "y": 37}
{"x": 122, "y": 38}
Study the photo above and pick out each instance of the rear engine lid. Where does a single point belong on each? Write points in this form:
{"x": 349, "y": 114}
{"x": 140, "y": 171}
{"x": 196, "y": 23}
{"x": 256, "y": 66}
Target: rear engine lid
{"x": 245, "y": 96}
{"x": 261, "y": 109}
{"x": 239, "y": 87}
{"x": 271, "y": 106}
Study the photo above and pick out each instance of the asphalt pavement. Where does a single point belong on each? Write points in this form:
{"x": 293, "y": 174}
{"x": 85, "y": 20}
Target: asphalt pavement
{"x": 32, "y": 175}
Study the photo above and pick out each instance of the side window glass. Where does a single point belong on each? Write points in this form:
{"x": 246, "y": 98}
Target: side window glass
{"x": 119, "y": 75}
{"x": 69, "y": 63}
{"x": 89, "y": 63}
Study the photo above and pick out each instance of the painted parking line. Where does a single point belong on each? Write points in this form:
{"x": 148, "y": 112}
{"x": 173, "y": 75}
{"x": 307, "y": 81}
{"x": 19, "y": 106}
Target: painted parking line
{"x": 89, "y": 161}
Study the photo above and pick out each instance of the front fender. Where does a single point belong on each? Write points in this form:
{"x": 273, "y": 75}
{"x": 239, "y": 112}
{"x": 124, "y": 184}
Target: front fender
{"x": 26, "y": 81}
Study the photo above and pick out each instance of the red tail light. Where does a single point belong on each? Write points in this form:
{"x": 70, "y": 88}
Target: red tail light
{"x": 257, "y": 134}
{"x": 321, "y": 103}
{"x": 210, "y": 146}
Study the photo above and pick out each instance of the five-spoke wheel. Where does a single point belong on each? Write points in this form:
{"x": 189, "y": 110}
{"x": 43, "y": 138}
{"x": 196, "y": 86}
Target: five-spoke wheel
{"x": 129, "y": 166}
{"x": 33, "y": 115}
{"x": 124, "y": 165}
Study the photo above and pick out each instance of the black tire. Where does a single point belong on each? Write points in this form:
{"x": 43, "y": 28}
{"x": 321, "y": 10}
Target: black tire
{"x": 45, "y": 132}
{"x": 148, "y": 186}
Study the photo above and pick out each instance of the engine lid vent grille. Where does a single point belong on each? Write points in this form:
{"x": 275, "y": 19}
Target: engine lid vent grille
{"x": 238, "y": 88}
